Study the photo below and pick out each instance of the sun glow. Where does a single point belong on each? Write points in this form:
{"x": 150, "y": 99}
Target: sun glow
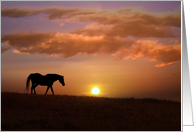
{"x": 95, "y": 90}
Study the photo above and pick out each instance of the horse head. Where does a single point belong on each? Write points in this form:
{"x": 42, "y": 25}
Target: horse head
{"x": 61, "y": 80}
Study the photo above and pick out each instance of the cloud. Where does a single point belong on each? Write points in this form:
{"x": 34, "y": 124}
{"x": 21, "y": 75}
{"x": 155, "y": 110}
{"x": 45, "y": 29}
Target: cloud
{"x": 108, "y": 16}
{"x": 108, "y": 31}
{"x": 165, "y": 54}
{"x": 52, "y": 12}
{"x": 18, "y": 12}
{"x": 136, "y": 24}
{"x": 3, "y": 49}
{"x": 21, "y": 40}
{"x": 125, "y": 29}
{"x": 124, "y": 22}
{"x": 68, "y": 45}
{"x": 62, "y": 43}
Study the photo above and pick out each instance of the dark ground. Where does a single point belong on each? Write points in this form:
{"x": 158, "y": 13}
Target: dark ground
{"x": 61, "y": 112}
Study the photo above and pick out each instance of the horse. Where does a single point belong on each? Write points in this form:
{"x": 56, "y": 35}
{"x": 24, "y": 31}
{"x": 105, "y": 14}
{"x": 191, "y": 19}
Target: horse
{"x": 47, "y": 80}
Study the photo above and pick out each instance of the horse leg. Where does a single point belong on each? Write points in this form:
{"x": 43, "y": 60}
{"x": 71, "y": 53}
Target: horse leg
{"x": 52, "y": 90}
{"x": 34, "y": 88}
{"x": 47, "y": 90}
{"x": 34, "y": 91}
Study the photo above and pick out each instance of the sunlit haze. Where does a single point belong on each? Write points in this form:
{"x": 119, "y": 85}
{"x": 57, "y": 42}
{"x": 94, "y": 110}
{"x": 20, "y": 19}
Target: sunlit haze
{"x": 123, "y": 48}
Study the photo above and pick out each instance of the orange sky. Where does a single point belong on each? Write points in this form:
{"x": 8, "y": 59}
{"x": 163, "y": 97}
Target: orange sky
{"x": 126, "y": 49}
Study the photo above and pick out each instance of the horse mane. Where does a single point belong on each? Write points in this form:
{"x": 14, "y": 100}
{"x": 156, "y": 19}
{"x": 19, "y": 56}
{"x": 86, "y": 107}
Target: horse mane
{"x": 53, "y": 74}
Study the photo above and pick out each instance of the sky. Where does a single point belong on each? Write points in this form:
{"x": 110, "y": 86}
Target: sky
{"x": 124, "y": 48}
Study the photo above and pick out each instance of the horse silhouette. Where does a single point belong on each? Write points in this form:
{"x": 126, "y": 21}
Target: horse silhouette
{"x": 47, "y": 80}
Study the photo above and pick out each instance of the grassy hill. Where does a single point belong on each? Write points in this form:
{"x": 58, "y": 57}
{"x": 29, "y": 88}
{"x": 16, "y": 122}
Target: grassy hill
{"x": 62, "y": 112}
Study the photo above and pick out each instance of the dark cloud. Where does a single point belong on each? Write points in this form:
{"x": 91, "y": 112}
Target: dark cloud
{"x": 125, "y": 22}
{"x": 99, "y": 16}
{"x": 22, "y": 40}
{"x": 3, "y": 49}
{"x": 52, "y": 12}
{"x": 17, "y": 12}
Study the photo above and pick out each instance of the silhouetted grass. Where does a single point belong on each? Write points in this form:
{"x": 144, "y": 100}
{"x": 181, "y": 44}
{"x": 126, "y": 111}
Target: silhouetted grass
{"x": 62, "y": 112}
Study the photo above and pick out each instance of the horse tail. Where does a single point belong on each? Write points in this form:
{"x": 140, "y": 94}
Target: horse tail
{"x": 27, "y": 82}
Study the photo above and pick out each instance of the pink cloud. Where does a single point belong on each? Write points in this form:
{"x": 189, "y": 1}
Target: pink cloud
{"x": 165, "y": 54}
{"x": 68, "y": 45}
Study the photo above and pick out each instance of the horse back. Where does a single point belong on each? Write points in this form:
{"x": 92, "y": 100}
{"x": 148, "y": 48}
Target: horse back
{"x": 36, "y": 76}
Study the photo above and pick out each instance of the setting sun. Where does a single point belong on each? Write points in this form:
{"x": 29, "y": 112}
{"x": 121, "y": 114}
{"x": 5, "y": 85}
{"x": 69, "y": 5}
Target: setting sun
{"x": 95, "y": 91}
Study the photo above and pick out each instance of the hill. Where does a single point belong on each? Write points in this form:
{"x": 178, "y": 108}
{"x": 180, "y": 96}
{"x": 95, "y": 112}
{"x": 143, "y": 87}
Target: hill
{"x": 61, "y": 112}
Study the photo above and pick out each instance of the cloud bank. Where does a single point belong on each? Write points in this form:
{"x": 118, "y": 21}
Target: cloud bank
{"x": 68, "y": 45}
{"x": 108, "y": 32}
{"x": 125, "y": 22}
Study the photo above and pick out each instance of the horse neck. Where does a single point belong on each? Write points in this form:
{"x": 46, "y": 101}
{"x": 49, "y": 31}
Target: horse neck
{"x": 53, "y": 77}
{"x": 57, "y": 77}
